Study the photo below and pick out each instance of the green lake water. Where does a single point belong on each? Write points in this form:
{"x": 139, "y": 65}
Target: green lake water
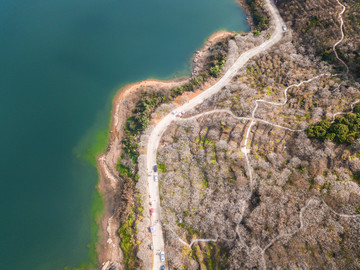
{"x": 61, "y": 62}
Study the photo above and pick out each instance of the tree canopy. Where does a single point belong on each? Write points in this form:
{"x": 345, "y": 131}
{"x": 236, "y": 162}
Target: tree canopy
{"x": 344, "y": 129}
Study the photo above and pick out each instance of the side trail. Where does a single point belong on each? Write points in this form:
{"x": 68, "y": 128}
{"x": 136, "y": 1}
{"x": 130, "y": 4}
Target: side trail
{"x": 246, "y": 151}
{"x": 159, "y": 129}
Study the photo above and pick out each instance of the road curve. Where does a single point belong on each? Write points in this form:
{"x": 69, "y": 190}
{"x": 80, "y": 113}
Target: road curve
{"x": 342, "y": 35}
{"x": 154, "y": 139}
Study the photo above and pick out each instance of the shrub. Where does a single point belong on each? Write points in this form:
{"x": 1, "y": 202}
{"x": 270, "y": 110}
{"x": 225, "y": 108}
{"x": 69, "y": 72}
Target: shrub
{"x": 343, "y": 130}
{"x": 215, "y": 71}
{"x": 162, "y": 167}
{"x": 123, "y": 170}
{"x": 259, "y": 16}
{"x": 127, "y": 242}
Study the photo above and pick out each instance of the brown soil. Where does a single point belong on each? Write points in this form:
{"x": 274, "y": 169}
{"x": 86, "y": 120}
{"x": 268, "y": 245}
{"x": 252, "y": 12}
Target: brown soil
{"x": 218, "y": 36}
{"x": 187, "y": 96}
{"x": 110, "y": 185}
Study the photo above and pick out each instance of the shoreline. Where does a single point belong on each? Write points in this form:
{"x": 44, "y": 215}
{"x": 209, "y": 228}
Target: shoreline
{"x": 247, "y": 11}
{"x": 109, "y": 184}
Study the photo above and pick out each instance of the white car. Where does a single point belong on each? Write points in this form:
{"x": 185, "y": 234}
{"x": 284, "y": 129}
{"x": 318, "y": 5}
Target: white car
{"x": 156, "y": 178}
{"x": 284, "y": 28}
{"x": 174, "y": 112}
{"x": 162, "y": 256}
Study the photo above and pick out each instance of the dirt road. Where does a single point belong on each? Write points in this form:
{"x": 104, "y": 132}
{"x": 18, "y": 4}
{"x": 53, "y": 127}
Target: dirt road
{"x": 154, "y": 140}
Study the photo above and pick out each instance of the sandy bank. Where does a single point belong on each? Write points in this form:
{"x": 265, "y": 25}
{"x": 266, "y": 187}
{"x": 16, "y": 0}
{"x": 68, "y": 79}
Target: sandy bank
{"x": 112, "y": 186}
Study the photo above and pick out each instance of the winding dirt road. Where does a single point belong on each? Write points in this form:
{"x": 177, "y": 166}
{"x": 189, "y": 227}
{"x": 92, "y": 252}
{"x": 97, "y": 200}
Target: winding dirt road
{"x": 154, "y": 139}
{"x": 342, "y": 35}
{"x": 159, "y": 129}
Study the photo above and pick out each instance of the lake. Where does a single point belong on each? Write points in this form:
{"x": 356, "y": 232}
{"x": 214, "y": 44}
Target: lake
{"x": 61, "y": 63}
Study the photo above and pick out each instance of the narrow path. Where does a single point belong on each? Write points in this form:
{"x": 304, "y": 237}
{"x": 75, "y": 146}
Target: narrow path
{"x": 273, "y": 241}
{"x": 342, "y": 35}
{"x": 341, "y": 113}
{"x": 249, "y": 195}
{"x": 192, "y": 241}
{"x": 159, "y": 129}
{"x": 249, "y": 168}
{"x": 246, "y": 151}
{"x": 236, "y": 117}
{"x": 301, "y": 221}
{"x": 154, "y": 138}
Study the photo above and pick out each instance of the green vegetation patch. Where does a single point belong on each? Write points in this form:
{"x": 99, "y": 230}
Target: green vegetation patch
{"x": 314, "y": 21}
{"x": 123, "y": 170}
{"x": 147, "y": 104}
{"x": 127, "y": 241}
{"x": 209, "y": 256}
{"x": 260, "y": 18}
{"x": 343, "y": 130}
{"x": 356, "y": 177}
{"x": 161, "y": 167}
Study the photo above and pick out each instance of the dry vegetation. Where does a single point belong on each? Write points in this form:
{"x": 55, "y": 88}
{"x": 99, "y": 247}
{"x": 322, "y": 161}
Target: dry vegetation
{"x": 317, "y": 28}
{"x": 301, "y": 184}
{"x": 204, "y": 178}
{"x": 267, "y": 76}
{"x": 130, "y": 199}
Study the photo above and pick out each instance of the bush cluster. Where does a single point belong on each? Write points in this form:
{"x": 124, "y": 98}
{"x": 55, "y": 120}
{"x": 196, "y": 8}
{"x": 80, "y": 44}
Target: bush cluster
{"x": 147, "y": 104}
{"x": 127, "y": 241}
{"x": 345, "y": 129}
{"x": 260, "y": 18}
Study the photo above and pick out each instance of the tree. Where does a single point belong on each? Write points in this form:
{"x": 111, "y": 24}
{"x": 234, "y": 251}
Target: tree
{"x": 341, "y": 131}
{"x": 356, "y": 109}
{"x": 330, "y": 136}
{"x": 318, "y": 131}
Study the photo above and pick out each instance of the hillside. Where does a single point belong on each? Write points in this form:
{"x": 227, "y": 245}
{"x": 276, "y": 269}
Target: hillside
{"x": 243, "y": 183}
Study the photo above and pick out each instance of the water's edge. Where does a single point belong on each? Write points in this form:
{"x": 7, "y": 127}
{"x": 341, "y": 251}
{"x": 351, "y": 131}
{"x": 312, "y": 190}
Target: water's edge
{"x": 102, "y": 230}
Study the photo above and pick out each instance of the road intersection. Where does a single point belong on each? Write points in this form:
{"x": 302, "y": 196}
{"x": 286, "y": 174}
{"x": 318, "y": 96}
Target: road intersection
{"x": 155, "y": 136}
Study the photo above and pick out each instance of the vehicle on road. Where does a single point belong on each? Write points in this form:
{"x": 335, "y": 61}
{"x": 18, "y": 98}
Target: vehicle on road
{"x": 162, "y": 267}
{"x": 151, "y": 246}
{"x": 156, "y": 178}
{"x": 284, "y": 28}
{"x": 181, "y": 113}
{"x": 155, "y": 168}
{"x": 152, "y": 145}
{"x": 152, "y": 211}
{"x": 162, "y": 256}
{"x": 152, "y": 229}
